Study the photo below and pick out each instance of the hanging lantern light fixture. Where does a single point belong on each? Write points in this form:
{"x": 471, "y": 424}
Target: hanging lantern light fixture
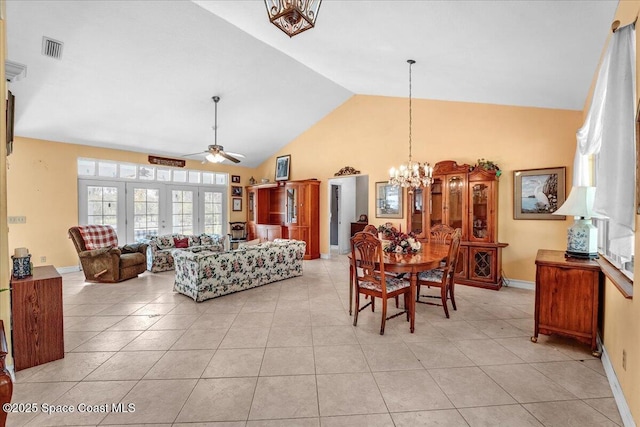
{"x": 293, "y": 16}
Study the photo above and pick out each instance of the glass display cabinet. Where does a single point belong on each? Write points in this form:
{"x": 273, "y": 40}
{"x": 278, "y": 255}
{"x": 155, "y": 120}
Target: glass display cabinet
{"x": 466, "y": 198}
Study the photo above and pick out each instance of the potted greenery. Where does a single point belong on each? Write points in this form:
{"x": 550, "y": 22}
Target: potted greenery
{"x": 488, "y": 165}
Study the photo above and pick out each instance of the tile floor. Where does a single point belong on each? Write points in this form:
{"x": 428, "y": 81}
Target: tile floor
{"x": 286, "y": 354}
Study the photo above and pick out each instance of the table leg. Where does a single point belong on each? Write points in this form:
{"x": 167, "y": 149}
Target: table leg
{"x": 412, "y": 301}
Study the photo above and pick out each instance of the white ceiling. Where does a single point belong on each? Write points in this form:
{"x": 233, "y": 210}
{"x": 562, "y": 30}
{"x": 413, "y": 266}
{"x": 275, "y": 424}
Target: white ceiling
{"x": 139, "y": 75}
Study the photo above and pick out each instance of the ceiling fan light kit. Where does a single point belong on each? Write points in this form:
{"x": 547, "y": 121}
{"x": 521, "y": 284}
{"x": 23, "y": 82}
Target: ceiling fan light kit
{"x": 293, "y": 16}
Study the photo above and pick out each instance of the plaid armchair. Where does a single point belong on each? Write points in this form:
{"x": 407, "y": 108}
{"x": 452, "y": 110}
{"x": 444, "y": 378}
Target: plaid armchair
{"x": 101, "y": 258}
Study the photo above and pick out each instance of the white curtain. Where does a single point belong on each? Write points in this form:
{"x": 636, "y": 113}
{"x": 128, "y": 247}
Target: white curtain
{"x": 609, "y": 131}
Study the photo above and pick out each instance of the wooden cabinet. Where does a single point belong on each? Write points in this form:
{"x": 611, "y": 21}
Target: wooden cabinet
{"x": 357, "y": 226}
{"x": 466, "y": 198}
{"x": 286, "y": 210}
{"x": 36, "y": 318}
{"x": 267, "y": 233}
{"x": 567, "y": 297}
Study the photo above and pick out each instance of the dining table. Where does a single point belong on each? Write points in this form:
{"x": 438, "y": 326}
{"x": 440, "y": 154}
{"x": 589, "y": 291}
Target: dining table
{"x": 426, "y": 258}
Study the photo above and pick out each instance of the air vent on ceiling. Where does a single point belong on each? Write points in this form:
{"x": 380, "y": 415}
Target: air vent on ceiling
{"x": 51, "y": 48}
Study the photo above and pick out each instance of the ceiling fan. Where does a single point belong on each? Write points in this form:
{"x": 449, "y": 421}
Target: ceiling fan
{"x": 215, "y": 152}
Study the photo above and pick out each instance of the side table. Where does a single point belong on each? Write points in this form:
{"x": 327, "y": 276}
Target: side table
{"x": 567, "y": 297}
{"x": 36, "y": 313}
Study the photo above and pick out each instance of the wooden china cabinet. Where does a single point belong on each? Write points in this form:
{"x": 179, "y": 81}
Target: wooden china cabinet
{"x": 466, "y": 198}
{"x": 286, "y": 209}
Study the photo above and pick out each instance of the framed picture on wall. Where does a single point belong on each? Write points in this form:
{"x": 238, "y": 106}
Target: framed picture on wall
{"x": 537, "y": 193}
{"x": 235, "y": 179}
{"x": 283, "y": 164}
{"x": 236, "y": 191}
{"x": 237, "y": 205}
{"x": 388, "y": 200}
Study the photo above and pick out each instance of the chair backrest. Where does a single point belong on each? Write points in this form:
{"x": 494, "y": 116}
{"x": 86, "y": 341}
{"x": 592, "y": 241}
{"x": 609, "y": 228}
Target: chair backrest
{"x": 441, "y": 233}
{"x": 366, "y": 253}
{"x": 88, "y": 237}
{"x": 370, "y": 228}
{"x": 238, "y": 230}
{"x": 452, "y": 256}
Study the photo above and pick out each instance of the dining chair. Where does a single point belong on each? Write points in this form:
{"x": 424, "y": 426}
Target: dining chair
{"x": 371, "y": 280}
{"x": 370, "y": 228}
{"x": 441, "y": 233}
{"x": 443, "y": 276}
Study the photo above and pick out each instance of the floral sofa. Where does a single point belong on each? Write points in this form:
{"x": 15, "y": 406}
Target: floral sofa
{"x": 159, "y": 257}
{"x": 206, "y": 275}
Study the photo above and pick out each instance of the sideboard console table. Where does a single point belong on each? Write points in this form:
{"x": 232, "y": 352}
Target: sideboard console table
{"x": 567, "y": 297}
{"x": 36, "y": 309}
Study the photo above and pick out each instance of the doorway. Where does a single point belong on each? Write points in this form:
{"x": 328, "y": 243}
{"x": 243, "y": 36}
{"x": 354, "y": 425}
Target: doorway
{"x": 335, "y": 219}
{"x": 348, "y": 200}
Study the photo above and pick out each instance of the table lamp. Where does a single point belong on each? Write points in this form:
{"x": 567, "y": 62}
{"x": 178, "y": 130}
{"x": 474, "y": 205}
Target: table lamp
{"x": 582, "y": 236}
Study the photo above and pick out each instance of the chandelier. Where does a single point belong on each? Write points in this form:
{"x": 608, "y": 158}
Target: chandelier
{"x": 293, "y": 16}
{"x": 411, "y": 174}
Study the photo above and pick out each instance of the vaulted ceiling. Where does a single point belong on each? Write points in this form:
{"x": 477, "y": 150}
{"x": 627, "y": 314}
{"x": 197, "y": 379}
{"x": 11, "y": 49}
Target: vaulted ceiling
{"x": 139, "y": 75}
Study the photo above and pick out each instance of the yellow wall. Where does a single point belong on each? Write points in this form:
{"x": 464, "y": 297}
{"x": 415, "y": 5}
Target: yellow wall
{"x": 5, "y": 271}
{"x": 370, "y": 133}
{"x": 43, "y": 186}
{"x": 622, "y": 316}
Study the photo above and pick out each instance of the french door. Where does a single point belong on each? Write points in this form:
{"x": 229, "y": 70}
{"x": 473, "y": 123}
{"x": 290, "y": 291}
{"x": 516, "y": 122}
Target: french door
{"x": 140, "y": 209}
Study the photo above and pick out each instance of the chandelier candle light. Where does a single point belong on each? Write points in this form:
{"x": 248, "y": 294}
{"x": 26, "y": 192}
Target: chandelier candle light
{"x": 411, "y": 174}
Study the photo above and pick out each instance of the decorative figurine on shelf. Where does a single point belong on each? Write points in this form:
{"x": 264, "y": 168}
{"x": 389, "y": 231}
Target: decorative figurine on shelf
{"x": 252, "y": 181}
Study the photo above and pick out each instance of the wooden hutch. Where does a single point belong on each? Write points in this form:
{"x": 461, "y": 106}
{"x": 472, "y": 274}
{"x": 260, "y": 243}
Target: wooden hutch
{"x": 466, "y": 198}
{"x": 285, "y": 210}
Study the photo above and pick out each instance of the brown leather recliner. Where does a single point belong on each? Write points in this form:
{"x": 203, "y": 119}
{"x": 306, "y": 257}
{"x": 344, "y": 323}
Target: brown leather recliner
{"x": 110, "y": 264}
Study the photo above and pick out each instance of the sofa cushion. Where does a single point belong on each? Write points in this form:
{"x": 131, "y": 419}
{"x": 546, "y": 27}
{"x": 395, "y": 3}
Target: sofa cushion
{"x": 194, "y": 240}
{"x": 181, "y": 243}
{"x": 165, "y": 242}
{"x": 249, "y": 243}
{"x": 209, "y": 239}
{"x": 132, "y": 259}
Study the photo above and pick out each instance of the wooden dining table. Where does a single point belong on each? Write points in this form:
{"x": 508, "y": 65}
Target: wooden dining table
{"x": 427, "y": 258}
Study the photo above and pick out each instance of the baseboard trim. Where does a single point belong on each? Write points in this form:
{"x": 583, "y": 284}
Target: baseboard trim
{"x": 520, "y": 284}
{"x": 618, "y": 395}
{"x": 71, "y": 269}
{"x": 325, "y": 256}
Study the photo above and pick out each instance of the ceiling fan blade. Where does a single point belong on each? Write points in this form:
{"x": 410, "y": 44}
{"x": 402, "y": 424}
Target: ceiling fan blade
{"x": 194, "y": 154}
{"x": 228, "y": 157}
{"x": 242, "y": 156}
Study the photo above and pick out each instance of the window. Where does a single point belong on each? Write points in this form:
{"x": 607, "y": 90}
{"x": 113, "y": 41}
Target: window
{"x": 143, "y": 200}
{"x": 213, "y": 212}
{"x": 614, "y": 252}
{"x": 146, "y": 212}
{"x": 182, "y": 211}
{"x": 102, "y": 205}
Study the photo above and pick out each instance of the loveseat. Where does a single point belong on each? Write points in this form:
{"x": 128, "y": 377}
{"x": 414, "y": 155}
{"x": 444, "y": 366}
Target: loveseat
{"x": 205, "y": 274}
{"x": 159, "y": 257}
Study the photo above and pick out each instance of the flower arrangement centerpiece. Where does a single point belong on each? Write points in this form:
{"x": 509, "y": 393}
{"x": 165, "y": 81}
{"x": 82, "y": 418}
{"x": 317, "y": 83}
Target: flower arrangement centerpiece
{"x": 397, "y": 241}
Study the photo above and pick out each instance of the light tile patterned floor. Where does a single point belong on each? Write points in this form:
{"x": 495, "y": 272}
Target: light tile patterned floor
{"x": 286, "y": 354}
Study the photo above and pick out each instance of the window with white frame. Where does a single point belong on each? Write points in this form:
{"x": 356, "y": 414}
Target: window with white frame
{"x": 145, "y": 200}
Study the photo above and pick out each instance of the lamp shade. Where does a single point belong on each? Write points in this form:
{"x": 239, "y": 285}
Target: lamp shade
{"x": 579, "y": 203}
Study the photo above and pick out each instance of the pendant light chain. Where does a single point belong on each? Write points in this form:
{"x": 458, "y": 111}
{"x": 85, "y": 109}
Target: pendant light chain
{"x": 411, "y": 62}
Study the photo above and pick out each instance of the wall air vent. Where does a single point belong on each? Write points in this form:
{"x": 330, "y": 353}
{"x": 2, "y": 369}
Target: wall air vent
{"x": 51, "y": 48}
